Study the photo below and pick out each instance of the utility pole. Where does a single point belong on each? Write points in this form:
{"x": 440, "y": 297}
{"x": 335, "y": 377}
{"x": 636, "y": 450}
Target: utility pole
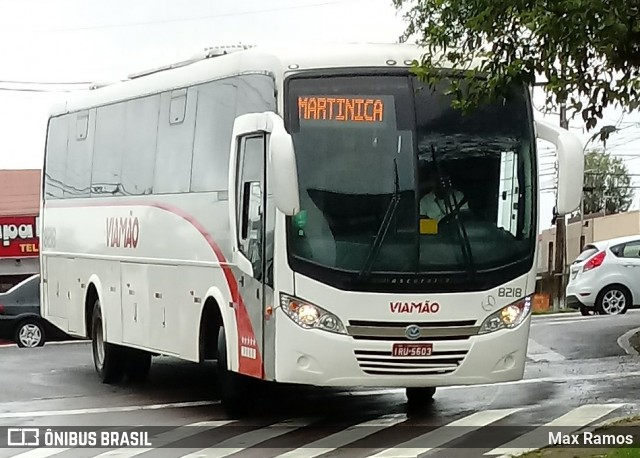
{"x": 561, "y": 236}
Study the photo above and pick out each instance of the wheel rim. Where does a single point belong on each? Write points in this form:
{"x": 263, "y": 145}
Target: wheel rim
{"x": 99, "y": 340}
{"x": 614, "y": 302}
{"x": 30, "y": 335}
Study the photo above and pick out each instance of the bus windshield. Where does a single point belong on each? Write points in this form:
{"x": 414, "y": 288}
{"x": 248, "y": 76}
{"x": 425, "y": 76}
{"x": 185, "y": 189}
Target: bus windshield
{"x": 397, "y": 187}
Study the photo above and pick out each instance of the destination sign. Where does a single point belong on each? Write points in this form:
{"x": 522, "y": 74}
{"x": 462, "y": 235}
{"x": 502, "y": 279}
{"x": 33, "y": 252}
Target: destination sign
{"x": 342, "y": 109}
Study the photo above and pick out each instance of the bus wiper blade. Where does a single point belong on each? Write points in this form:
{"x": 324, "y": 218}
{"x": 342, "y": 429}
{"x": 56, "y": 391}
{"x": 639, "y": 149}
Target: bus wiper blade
{"x": 372, "y": 255}
{"x": 454, "y": 210}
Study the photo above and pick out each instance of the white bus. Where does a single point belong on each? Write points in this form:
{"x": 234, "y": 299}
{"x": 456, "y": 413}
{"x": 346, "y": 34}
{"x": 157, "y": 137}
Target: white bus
{"x": 312, "y": 216}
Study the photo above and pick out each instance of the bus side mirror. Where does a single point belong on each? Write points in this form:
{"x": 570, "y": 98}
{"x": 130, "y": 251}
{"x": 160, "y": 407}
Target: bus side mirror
{"x": 570, "y": 152}
{"x": 284, "y": 171}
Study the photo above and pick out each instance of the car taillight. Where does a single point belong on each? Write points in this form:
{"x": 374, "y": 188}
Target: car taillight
{"x": 1, "y": 309}
{"x": 595, "y": 261}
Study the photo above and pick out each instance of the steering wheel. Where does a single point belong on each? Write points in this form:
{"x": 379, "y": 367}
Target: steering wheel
{"x": 449, "y": 216}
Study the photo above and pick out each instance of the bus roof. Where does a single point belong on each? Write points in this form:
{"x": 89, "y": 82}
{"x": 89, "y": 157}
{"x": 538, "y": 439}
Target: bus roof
{"x": 273, "y": 60}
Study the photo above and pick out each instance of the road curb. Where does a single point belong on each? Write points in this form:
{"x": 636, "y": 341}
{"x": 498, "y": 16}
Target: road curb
{"x": 624, "y": 341}
{"x": 555, "y": 315}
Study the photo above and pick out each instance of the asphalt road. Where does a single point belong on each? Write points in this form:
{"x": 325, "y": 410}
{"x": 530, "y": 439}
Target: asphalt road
{"x": 578, "y": 373}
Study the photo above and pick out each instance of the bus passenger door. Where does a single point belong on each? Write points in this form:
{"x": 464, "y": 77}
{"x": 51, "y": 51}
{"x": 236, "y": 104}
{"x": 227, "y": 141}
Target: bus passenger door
{"x": 248, "y": 234}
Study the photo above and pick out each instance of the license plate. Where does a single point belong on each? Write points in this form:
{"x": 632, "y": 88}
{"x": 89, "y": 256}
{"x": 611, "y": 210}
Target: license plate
{"x": 411, "y": 349}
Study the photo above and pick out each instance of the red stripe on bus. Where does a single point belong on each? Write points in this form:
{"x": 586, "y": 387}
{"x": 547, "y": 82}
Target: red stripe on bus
{"x": 248, "y": 366}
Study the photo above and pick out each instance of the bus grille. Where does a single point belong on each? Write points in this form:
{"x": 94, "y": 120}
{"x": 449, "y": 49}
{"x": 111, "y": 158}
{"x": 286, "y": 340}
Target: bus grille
{"x": 429, "y": 331}
{"x": 377, "y": 362}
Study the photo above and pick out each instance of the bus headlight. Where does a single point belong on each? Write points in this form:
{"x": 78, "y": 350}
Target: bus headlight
{"x": 310, "y": 316}
{"x": 507, "y": 317}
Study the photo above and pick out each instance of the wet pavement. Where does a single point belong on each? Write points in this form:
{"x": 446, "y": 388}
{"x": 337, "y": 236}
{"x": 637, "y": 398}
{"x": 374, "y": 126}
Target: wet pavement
{"x": 579, "y": 373}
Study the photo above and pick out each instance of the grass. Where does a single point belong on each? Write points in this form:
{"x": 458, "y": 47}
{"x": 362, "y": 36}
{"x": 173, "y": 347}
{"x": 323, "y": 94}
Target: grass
{"x": 628, "y": 421}
{"x": 566, "y": 452}
{"x": 635, "y": 341}
{"x": 624, "y": 453}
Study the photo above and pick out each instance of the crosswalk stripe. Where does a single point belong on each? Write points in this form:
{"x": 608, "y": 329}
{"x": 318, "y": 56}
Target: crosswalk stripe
{"x": 434, "y": 439}
{"x": 250, "y": 439}
{"x": 163, "y": 439}
{"x": 97, "y": 410}
{"x": 573, "y": 420}
{"x": 538, "y": 352}
{"x": 348, "y": 436}
{"x": 576, "y": 418}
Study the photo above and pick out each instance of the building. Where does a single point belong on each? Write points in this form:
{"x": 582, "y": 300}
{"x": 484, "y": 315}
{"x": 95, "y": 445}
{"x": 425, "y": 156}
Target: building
{"x": 595, "y": 228}
{"x": 19, "y": 209}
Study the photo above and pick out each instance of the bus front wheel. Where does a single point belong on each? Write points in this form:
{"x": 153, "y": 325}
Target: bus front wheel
{"x": 420, "y": 395}
{"x": 232, "y": 386}
{"x": 108, "y": 359}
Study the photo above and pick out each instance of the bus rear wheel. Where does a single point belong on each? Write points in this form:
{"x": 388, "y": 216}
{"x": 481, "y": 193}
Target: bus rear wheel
{"x": 108, "y": 359}
{"x": 234, "y": 396}
{"x": 417, "y": 396}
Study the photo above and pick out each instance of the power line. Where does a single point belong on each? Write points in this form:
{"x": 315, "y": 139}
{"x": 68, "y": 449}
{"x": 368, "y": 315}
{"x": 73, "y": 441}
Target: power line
{"x": 47, "y": 83}
{"x": 620, "y": 174}
{"x": 612, "y": 188}
{"x": 28, "y": 89}
{"x": 35, "y": 86}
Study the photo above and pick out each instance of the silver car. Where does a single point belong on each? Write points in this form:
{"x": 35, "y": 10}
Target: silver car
{"x": 605, "y": 278}
{"x": 20, "y": 318}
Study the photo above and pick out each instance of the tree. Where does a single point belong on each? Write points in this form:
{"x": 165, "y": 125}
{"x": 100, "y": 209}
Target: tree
{"x": 586, "y": 52}
{"x": 607, "y": 182}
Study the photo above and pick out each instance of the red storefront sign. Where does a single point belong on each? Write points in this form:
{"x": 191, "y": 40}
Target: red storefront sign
{"x": 19, "y": 237}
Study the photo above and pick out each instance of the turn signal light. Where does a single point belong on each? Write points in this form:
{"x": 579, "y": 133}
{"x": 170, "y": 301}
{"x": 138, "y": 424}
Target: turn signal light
{"x": 595, "y": 261}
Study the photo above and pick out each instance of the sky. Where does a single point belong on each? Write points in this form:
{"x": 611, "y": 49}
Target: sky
{"x": 77, "y": 41}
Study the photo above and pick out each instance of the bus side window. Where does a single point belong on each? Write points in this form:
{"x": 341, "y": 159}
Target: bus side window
{"x": 251, "y": 211}
{"x": 249, "y": 200}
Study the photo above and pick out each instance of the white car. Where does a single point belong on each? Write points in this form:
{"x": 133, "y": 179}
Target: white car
{"x": 605, "y": 278}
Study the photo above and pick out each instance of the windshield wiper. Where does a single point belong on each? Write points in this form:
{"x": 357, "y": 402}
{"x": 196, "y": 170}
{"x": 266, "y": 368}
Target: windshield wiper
{"x": 454, "y": 210}
{"x": 372, "y": 255}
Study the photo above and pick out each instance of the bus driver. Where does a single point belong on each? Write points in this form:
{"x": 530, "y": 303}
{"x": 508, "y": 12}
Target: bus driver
{"x": 433, "y": 204}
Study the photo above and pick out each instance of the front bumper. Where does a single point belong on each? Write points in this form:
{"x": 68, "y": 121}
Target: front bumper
{"x": 321, "y": 358}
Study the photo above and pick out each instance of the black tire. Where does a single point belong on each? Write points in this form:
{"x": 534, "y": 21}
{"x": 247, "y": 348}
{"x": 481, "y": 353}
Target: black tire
{"x": 611, "y": 295}
{"x": 29, "y": 333}
{"x": 231, "y": 385}
{"x": 108, "y": 359}
{"x": 137, "y": 365}
{"x": 420, "y": 396}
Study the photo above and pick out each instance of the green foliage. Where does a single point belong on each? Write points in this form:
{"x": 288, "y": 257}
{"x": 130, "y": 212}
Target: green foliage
{"x": 587, "y": 51}
{"x": 607, "y": 180}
